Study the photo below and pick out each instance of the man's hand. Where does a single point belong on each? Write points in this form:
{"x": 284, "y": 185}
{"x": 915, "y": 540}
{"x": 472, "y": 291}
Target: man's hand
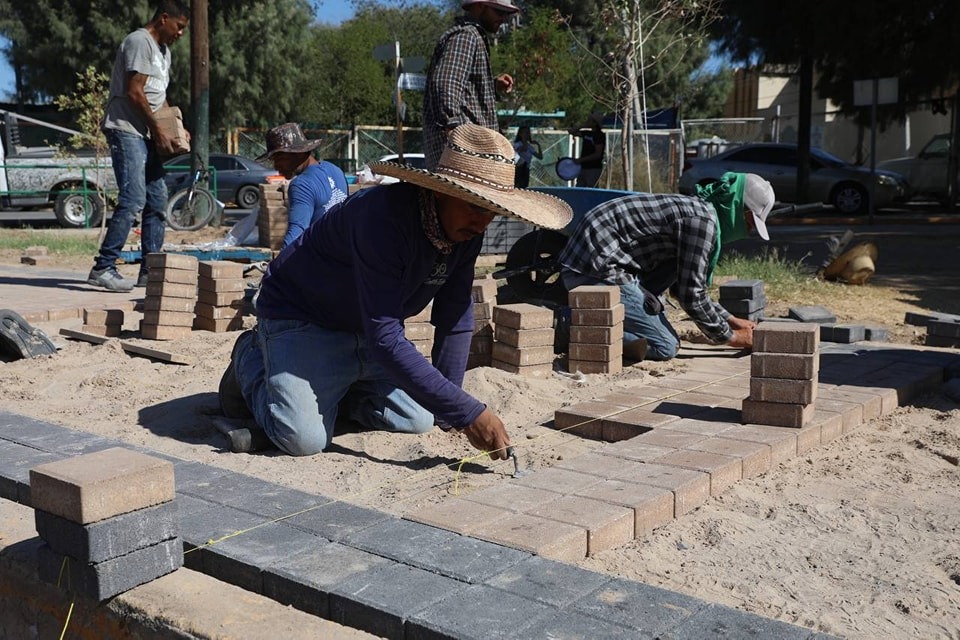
{"x": 487, "y": 433}
{"x": 742, "y": 332}
{"x": 163, "y": 142}
{"x": 504, "y": 83}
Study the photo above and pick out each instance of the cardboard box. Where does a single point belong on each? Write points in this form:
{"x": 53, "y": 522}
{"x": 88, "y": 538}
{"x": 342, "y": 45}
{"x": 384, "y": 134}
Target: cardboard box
{"x": 170, "y": 120}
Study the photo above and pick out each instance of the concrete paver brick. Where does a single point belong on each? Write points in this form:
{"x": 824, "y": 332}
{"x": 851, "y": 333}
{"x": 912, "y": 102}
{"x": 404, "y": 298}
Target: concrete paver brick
{"x": 220, "y": 285}
{"x": 164, "y": 332}
{"x": 742, "y": 289}
{"x": 483, "y": 310}
{"x": 220, "y": 269}
{"x": 477, "y": 613}
{"x": 205, "y": 526}
{"x": 63, "y": 314}
{"x": 523, "y": 315}
{"x": 794, "y": 366}
{"x": 724, "y": 471}
{"x": 484, "y": 290}
{"x": 585, "y": 418}
{"x": 596, "y": 335}
{"x": 98, "y": 485}
{"x": 608, "y": 526}
{"x": 633, "y": 398}
{"x": 539, "y": 371}
{"x": 872, "y": 403}
{"x": 173, "y": 276}
{"x": 380, "y": 600}
{"x": 636, "y": 450}
{"x": 522, "y": 338}
{"x": 547, "y": 538}
{"x": 111, "y": 577}
{"x": 573, "y": 624}
{"x": 850, "y": 412}
{"x": 808, "y": 437}
{"x": 162, "y": 260}
{"x": 171, "y": 290}
{"x": 813, "y": 313}
{"x": 16, "y": 461}
{"x": 843, "y": 333}
{"x": 690, "y": 488}
{"x": 665, "y": 437}
{"x": 111, "y": 537}
{"x": 779, "y": 414}
{"x": 595, "y": 352}
{"x": 701, "y": 427}
{"x": 652, "y": 506}
{"x": 336, "y": 520}
{"x": 783, "y": 390}
{"x": 888, "y": 395}
{"x": 787, "y": 337}
{"x": 831, "y": 425}
{"x": 554, "y": 583}
{"x": 164, "y": 303}
{"x": 510, "y": 497}
{"x": 594, "y": 366}
{"x": 632, "y": 422}
{"x": 781, "y": 440}
{"x": 102, "y": 317}
{"x": 305, "y": 578}
{"x": 558, "y": 480}
{"x": 524, "y": 356}
{"x": 594, "y": 297}
{"x": 649, "y": 611}
{"x": 168, "y": 318}
{"x": 598, "y": 317}
{"x": 254, "y": 495}
{"x": 754, "y": 456}
{"x": 461, "y": 516}
{"x": 735, "y": 624}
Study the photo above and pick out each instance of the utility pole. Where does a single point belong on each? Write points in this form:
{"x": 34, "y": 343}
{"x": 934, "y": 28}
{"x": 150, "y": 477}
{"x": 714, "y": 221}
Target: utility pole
{"x": 200, "y": 89}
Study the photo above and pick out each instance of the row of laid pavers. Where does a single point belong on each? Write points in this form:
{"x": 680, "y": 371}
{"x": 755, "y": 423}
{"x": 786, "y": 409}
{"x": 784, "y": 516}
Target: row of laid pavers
{"x": 665, "y": 447}
{"x": 393, "y": 577}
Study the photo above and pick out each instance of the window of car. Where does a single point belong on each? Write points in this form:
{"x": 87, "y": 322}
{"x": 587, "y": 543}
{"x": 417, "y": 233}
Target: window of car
{"x": 765, "y": 155}
{"x": 938, "y": 146}
{"x": 224, "y": 163}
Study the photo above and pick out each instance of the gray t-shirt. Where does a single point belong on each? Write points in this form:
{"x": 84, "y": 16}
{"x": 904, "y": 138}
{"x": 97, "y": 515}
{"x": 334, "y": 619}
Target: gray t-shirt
{"x": 139, "y": 53}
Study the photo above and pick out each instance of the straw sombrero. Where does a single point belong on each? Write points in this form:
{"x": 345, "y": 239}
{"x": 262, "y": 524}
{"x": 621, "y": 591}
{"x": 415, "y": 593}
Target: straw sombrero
{"x": 477, "y": 166}
{"x": 855, "y": 265}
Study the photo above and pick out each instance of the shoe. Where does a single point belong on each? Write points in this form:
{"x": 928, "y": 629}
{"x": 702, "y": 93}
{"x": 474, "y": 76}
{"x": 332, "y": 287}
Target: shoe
{"x": 244, "y": 436}
{"x": 635, "y": 350}
{"x": 232, "y": 404}
{"x": 109, "y": 279}
{"x": 142, "y": 279}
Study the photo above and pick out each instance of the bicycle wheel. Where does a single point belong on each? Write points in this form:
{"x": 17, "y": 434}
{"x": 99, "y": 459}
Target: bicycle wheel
{"x": 189, "y": 212}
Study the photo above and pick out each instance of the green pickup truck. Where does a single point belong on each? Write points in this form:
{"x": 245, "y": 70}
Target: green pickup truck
{"x": 38, "y": 177}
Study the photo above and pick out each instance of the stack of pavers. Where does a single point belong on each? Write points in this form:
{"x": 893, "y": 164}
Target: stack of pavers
{"x": 418, "y": 330}
{"x": 220, "y": 296}
{"x": 943, "y": 331}
{"x": 744, "y": 298}
{"x": 171, "y": 296}
{"x": 596, "y": 329}
{"x": 103, "y": 322}
{"x": 523, "y": 341}
{"x": 108, "y": 521}
{"x": 273, "y": 218}
{"x": 481, "y": 345}
{"x": 784, "y": 368}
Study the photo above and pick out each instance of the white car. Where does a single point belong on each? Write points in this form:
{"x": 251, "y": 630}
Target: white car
{"x": 365, "y": 176}
{"x": 926, "y": 174}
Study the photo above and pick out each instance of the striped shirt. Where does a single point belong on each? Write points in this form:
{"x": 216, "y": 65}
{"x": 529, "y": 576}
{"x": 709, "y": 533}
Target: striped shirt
{"x": 622, "y": 238}
{"x": 460, "y": 87}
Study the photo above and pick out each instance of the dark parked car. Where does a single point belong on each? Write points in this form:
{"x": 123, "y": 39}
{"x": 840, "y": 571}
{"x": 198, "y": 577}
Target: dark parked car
{"x": 846, "y": 186}
{"x": 238, "y": 178}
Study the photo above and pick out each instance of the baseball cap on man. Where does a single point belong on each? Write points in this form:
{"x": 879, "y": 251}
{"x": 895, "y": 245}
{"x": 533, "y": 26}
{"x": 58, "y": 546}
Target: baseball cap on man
{"x": 758, "y": 198}
{"x": 504, "y": 6}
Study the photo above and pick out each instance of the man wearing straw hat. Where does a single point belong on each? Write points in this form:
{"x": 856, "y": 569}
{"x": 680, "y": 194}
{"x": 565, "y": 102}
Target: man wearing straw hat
{"x": 648, "y": 243}
{"x": 330, "y": 335}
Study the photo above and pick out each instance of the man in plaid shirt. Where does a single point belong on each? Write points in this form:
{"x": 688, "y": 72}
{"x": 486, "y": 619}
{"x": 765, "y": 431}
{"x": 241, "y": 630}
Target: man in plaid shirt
{"x": 460, "y": 86}
{"x": 649, "y": 243}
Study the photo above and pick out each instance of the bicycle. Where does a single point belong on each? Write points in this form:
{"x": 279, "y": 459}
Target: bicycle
{"x": 193, "y": 207}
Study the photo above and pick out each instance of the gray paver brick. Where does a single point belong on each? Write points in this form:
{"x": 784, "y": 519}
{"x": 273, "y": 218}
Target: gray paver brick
{"x": 477, "y": 613}
{"x": 843, "y": 333}
{"x": 717, "y": 621}
{"x": 742, "y": 289}
{"x": 16, "y": 460}
{"x": 111, "y": 577}
{"x": 379, "y": 601}
{"x": 648, "y": 610}
{"x": 240, "y": 560}
{"x": 304, "y": 579}
{"x": 209, "y": 525}
{"x": 254, "y": 495}
{"x": 548, "y": 581}
{"x": 450, "y": 554}
{"x": 572, "y": 625}
{"x": 111, "y": 537}
{"x": 335, "y": 520}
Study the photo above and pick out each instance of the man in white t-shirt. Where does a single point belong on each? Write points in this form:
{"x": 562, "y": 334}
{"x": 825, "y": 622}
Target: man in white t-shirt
{"x": 138, "y": 89}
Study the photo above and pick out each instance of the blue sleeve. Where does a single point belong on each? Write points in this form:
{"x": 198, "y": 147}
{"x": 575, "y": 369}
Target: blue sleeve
{"x": 301, "y": 200}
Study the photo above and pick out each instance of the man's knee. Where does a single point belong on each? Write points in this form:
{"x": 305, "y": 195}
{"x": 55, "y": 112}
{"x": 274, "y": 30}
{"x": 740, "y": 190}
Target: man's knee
{"x": 299, "y": 443}
{"x": 661, "y": 351}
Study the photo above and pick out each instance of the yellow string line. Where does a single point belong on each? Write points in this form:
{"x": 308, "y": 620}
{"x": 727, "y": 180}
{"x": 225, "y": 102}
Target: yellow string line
{"x": 459, "y": 464}
{"x": 66, "y": 622}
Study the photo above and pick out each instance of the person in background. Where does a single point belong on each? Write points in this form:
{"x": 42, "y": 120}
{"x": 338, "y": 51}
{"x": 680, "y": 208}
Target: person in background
{"x": 527, "y": 149}
{"x": 460, "y": 85}
{"x": 650, "y": 243}
{"x": 330, "y": 337}
{"x": 592, "y": 151}
{"x": 315, "y": 186}
{"x": 138, "y": 89}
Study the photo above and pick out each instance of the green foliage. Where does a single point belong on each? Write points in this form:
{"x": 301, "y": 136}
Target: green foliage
{"x": 783, "y": 279}
{"x": 88, "y": 101}
{"x": 63, "y": 243}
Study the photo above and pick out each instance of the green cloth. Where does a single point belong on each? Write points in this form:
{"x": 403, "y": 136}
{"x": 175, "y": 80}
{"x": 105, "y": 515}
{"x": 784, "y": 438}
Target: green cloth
{"x": 726, "y": 196}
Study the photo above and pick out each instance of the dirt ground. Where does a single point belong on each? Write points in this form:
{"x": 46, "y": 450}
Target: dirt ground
{"x": 856, "y": 538}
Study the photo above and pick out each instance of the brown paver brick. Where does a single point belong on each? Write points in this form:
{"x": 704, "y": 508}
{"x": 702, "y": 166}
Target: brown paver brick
{"x": 411, "y": 330}
{"x": 701, "y": 427}
{"x": 851, "y": 412}
{"x": 608, "y": 526}
{"x": 511, "y": 496}
{"x": 523, "y": 315}
{"x": 888, "y": 395}
{"x": 220, "y": 285}
{"x": 794, "y": 366}
{"x": 171, "y": 261}
{"x": 594, "y": 296}
{"x": 724, "y": 471}
{"x": 782, "y": 390}
{"x": 163, "y": 332}
{"x": 173, "y": 276}
{"x": 786, "y": 337}
{"x": 666, "y": 437}
{"x": 544, "y": 370}
{"x": 548, "y": 538}
{"x": 524, "y": 337}
{"x": 636, "y": 450}
{"x": 483, "y": 310}
{"x": 522, "y": 357}
{"x": 631, "y": 423}
{"x": 585, "y": 419}
{"x": 164, "y": 303}
{"x": 872, "y": 403}
{"x": 808, "y": 437}
{"x": 217, "y": 313}
{"x": 831, "y": 425}
{"x": 754, "y": 456}
{"x": 461, "y": 516}
{"x": 596, "y": 335}
{"x": 598, "y": 463}
{"x": 690, "y": 488}
{"x": 220, "y": 269}
{"x": 484, "y": 290}
{"x": 558, "y": 480}
{"x": 781, "y": 440}
{"x": 652, "y": 506}
{"x": 735, "y": 388}
{"x": 171, "y": 290}
{"x": 597, "y": 317}
{"x": 63, "y": 314}
{"x": 103, "y": 316}
{"x": 226, "y": 298}
{"x": 595, "y": 352}
{"x": 778, "y": 414}
{"x": 595, "y": 366}
{"x": 94, "y": 486}
{"x": 168, "y": 318}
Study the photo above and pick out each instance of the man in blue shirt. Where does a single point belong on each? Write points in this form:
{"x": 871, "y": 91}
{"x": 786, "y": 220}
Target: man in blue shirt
{"x": 330, "y": 334}
{"x": 315, "y": 185}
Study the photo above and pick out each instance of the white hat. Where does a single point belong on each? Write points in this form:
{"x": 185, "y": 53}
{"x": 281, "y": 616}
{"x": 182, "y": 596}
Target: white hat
{"x": 506, "y": 6}
{"x": 759, "y": 198}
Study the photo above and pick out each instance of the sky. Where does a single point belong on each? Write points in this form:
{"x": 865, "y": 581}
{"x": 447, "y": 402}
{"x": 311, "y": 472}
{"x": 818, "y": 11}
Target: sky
{"x": 328, "y": 11}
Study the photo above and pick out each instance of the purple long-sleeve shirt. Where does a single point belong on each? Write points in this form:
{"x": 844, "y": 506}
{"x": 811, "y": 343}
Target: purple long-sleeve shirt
{"x": 364, "y": 267}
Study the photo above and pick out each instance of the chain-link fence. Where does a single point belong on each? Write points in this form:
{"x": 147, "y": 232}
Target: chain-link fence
{"x": 707, "y": 137}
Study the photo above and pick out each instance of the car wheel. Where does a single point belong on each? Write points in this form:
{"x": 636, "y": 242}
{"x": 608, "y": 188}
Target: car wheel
{"x": 78, "y": 209}
{"x": 849, "y": 198}
{"x": 248, "y": 196}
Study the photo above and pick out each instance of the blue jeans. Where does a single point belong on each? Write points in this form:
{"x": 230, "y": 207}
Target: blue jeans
{"x": 139, "y": 172}
{"x": 297, "y": 377}
{"x": 662, "y": 339}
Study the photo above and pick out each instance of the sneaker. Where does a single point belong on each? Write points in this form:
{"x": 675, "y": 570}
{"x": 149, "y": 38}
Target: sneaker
{"x": 109, "y": 279}
{"x": 142, "y": 279}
